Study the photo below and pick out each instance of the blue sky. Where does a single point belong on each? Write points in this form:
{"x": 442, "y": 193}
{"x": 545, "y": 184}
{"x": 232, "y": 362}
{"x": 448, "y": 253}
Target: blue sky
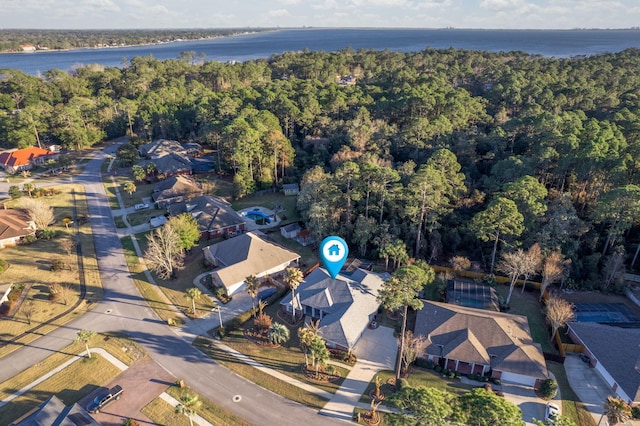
{"x": 517, "y": 14}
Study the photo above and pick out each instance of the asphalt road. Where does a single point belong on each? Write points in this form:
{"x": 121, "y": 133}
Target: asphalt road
{"x": 123, "y": 310}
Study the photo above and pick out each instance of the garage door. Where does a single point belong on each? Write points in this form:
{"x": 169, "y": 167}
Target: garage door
{"x": 518, "y": 378}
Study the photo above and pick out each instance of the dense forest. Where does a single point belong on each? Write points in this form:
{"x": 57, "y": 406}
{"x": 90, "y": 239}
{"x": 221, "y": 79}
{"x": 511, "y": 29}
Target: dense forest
{"x": 440, "y": 155}
{"x": 12, "y": 40}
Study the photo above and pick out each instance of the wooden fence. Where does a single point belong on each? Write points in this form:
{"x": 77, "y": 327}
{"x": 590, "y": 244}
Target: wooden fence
{"x": 481, "y": 276}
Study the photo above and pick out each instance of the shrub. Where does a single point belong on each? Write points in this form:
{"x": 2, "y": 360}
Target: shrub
{"x": 635, "y": 412}
{"x": 402, "y": 383}
{"x": 437, "y": 368}
{"x": 14, "y": 192}
{"x": 6, "y": 307}
{"x": 548, "y": 389}
{"x": 4, "y": 265}
{"x": 262, "y": 322}
{"x": 452, "y": 375}
{"x": 57, "y": 265}
{"x": 28, "y": 239}
{"x": 496, "y": 381}
{"x": 45, "y": 234}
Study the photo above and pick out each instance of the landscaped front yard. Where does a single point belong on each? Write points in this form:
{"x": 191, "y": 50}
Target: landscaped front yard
{"x": 30, "y": 268}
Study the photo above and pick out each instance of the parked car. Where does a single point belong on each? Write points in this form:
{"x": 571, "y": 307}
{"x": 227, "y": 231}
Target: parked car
{"x": 105, "y": 398}
{"x": 551, "y": 411}
{"x": 141, "y": 206}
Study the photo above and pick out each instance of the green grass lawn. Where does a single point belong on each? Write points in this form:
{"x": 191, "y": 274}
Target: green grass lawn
{"x": 527, "y": 304}
{"x": 572, "y": 407}
{"x": 271, "y": 201}
{"x": 72, "y": 383}
{"x": 207, "y": 410}
{"x": 308, "y": 255}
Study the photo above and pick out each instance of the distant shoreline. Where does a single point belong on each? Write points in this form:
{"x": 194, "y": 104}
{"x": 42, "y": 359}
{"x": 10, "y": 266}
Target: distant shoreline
{"x": 122, "y": 46}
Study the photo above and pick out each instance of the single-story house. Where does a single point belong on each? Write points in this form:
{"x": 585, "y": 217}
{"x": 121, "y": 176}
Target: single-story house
{"x": 160, "y": 148}
{"x": 214, "y": 215}
{"x": 291, "y": 188}
{"x": 291, "y": 230}
{"x": 173, "y": 164}
{"x": 54, "y": 412}
{"x": 15, "y": 224}
{"x": 247, "y": 254}
{"x": 614, "y": 353}
{"x": 344, "y": 306}
{"x": 175, "y": 189}
{"x": 24, "y": 159}
{"x": 477, "y": 341}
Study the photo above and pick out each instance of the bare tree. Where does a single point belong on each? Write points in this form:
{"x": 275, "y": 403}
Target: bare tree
{"x": 617, "y": 410}
{"x": 558, "y": 312}
{"x": 613, "y": 271}
{"x": 413, "y": 347}
{"x": 531, "y": 263}
{"x": 164, "y": 252}
{"x": 552, "y": 270}
{"x": 67, "y": 245}
{"x": 28, "y": 309}
{"x": 512, "y": 264}
{"x": 40, "y": 212}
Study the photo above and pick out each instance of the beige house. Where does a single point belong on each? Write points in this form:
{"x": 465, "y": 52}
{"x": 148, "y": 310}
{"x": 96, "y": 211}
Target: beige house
{"x": 247, "y": 254}
{"x": 15, "y": 224}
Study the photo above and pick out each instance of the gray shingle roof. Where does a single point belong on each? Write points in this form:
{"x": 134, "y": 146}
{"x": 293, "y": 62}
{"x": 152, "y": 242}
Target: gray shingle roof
{"x": 348, "y": 302}
{"x": 170, "y": 164}
{"x": 160, "y": 147}
{"x": 617, "y": 349}
{"x": 175, "y": 186}
{"x": 211, "y": 213}
{"x": 475, "y": 335}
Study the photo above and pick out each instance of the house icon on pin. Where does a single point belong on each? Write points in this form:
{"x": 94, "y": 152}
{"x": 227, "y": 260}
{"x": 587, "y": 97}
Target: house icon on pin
{"x": 334, "y": 250}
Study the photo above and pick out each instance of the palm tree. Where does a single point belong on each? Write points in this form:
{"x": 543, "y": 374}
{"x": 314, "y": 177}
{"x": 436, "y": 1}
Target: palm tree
{"x": 188, "y": 405}
{"x": 278, "y": 333}
{"x": 616, "y": 410}
{"x": 252, "y": 289}
{"x": 84, "y": 336}
{"x": 193, "y": 294}
{"x": 29, "y": 187}
{"x": 292, "y": 278}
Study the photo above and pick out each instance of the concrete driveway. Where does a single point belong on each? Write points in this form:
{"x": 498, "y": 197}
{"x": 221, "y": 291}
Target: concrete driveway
{"x": 376, "y": 350}
{"x": 590, "y": 387}
{"x": 142, "y": 382}
{"x": 526, "y": 399}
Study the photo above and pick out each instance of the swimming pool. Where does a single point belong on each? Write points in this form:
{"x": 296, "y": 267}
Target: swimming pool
{"x": 258, "y": 216}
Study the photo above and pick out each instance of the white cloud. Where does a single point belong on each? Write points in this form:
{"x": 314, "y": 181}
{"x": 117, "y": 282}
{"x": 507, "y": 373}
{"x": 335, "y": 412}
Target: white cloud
{"x": 500, "y": 5}
{"x": 278, "y": 13}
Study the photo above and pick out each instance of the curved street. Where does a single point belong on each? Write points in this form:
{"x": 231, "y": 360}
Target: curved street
{"x": 124, "y": 310}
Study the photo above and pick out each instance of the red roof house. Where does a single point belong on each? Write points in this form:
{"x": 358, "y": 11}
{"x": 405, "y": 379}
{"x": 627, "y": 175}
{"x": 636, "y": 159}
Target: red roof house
{"x": 25, "y": 159}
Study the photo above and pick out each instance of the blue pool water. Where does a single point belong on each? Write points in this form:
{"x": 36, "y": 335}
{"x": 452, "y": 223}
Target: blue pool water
{"x": 257, "y": 216}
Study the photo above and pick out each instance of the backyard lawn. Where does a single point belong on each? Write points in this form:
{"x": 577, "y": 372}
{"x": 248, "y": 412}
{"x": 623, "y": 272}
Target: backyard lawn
{"x": 527, "y": 304}
{"x": 271, "y": 200}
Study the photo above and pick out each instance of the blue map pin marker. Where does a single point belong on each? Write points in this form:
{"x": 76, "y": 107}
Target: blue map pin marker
{"x": 333, "y": 252}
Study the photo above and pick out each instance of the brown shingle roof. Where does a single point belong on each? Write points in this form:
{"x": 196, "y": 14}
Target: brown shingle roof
{"x": 15, "y": 223}
{"x": 475, "y": 335}
{"x": 246, "y": 254}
